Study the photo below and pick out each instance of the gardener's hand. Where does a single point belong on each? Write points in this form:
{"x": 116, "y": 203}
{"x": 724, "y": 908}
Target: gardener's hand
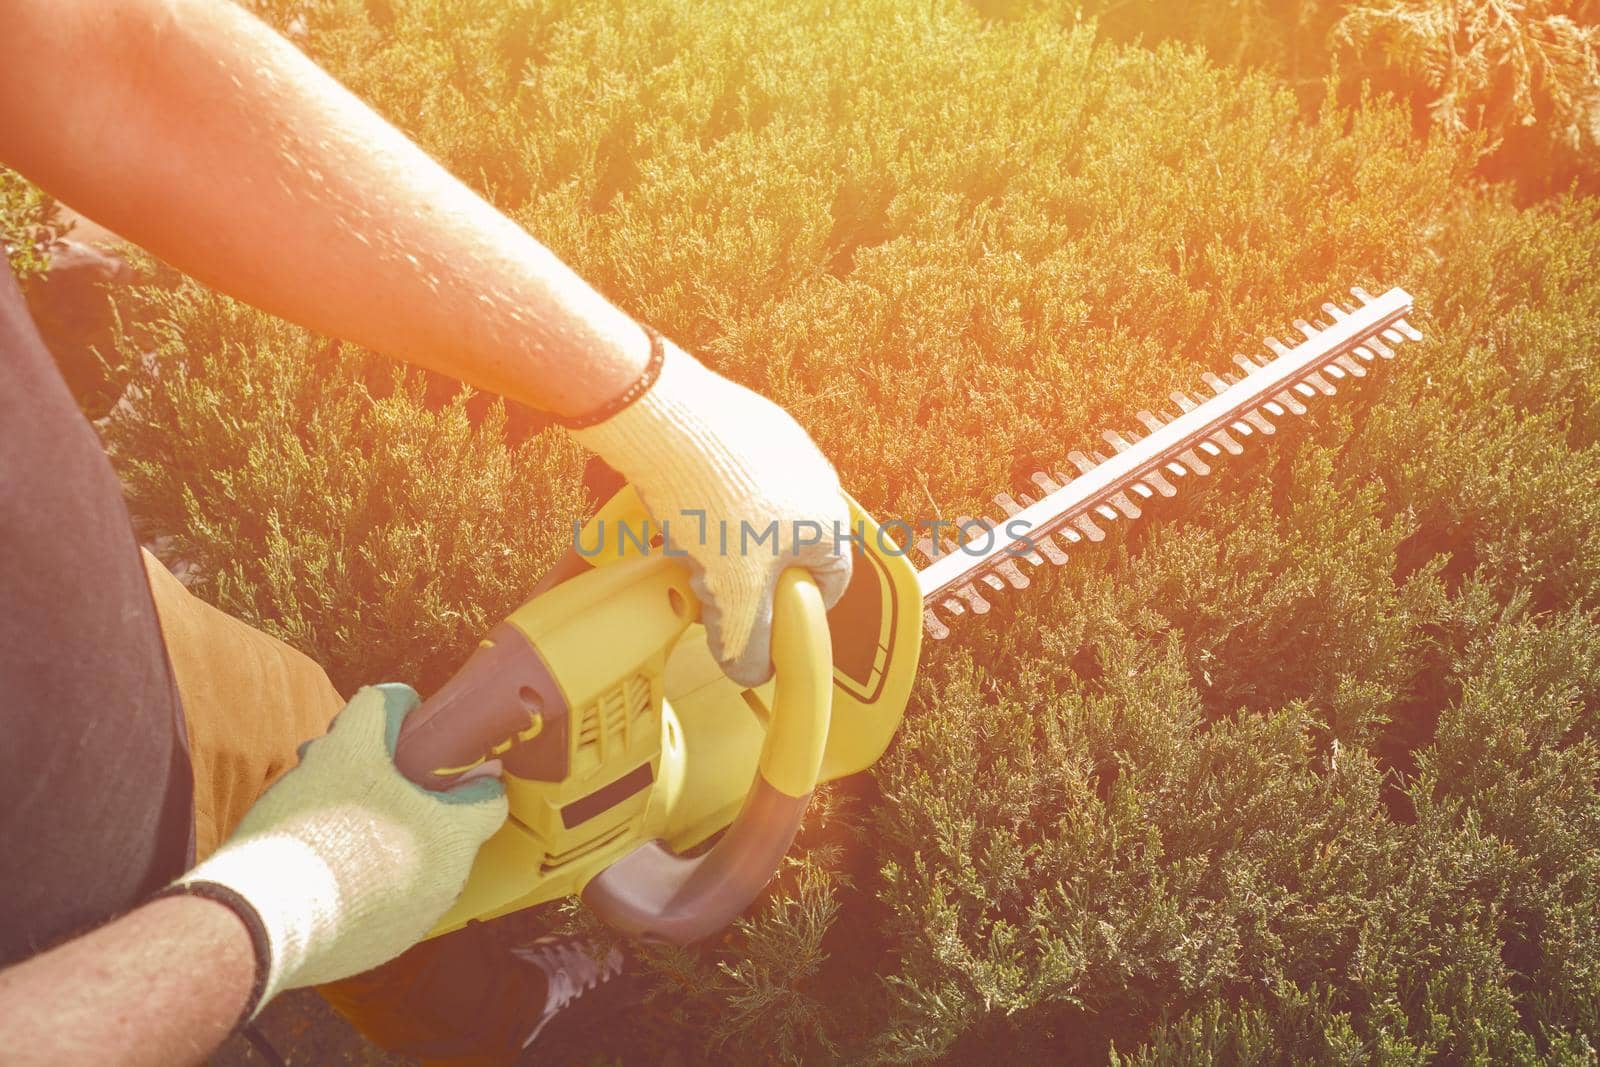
{"x": 343, "y": 863}
{"x": 741, "y": 489}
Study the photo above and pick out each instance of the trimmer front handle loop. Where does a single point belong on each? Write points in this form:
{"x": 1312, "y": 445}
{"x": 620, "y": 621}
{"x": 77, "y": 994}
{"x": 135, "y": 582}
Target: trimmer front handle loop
{"x": 654, "y": 894}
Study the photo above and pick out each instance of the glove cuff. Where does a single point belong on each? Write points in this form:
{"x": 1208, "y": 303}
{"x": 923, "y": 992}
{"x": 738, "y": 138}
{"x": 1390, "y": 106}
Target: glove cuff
{"x": 641, "y": 385}
{"x": 295, "y": 897}
{"x": 679, "y": 443}
{"x": 259, "y": 940}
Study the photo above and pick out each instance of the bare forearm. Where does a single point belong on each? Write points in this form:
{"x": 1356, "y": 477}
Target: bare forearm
{"x": 194, "y": 130}
{"x": 163, "y": 985}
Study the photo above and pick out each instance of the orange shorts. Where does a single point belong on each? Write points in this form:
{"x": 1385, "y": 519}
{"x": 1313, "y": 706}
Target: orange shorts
{"x": 249, "y": 701}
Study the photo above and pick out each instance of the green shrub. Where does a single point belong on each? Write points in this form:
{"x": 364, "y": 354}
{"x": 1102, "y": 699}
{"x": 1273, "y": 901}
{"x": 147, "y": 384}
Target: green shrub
{"x": 1503, "y": 69}
{"x": 28, "y": 223}
{"x": 1301, "y": 769}
{"x": 379, "y": 536}
{"x": 1522, "y": 80}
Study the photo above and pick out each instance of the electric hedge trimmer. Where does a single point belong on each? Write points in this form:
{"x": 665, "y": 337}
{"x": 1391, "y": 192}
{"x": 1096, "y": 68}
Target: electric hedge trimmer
{"x": 623, "y": 744}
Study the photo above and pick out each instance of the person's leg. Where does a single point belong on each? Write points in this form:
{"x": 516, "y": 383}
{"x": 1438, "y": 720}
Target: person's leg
{"x": 249, "y": 700}
{"x": 94, "y": 783}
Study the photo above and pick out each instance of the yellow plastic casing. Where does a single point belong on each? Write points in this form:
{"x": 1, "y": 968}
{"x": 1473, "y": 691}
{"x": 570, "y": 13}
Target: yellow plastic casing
{"x": 661, "y": 744}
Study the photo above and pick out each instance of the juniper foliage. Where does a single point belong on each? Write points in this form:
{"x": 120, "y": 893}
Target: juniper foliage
{"x": 1519, "y": 80}
{"x": 29, "y": 222}
{"x": 318, "y": 495}
{"x": 1303, "y": 768}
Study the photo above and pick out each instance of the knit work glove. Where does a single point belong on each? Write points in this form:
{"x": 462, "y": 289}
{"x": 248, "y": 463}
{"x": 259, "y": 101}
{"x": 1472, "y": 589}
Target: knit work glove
{"x": 740, "y": 489}
{"x": 343, "y": 864}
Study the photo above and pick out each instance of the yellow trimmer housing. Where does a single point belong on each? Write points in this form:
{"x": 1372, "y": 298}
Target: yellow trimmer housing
{"x": 624, "y": 746}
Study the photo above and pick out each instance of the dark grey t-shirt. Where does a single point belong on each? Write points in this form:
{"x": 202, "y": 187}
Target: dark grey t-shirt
{"x": 95, "y": 784}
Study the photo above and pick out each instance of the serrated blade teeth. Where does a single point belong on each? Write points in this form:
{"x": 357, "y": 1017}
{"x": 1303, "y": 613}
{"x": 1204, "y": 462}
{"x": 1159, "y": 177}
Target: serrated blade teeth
{"x": 1149, "y": 421}
{"x": 1090, "y": 530}
{"x": 1225, "y": 439}
{"x": 1161, "y": 485}
{"x": 973, "y": 600}
{"x": 1350, "y": 366}
{"x": 1341, "y": 341}
{"x": 1116, "y": 440}
{"x": 1045, "y": 482}
{"x": 1009, "y": 504}
{"x": 932, "y": 553}
{"x": 1259, "y": 421}
{"x": 1013, "y": 575}
{"x": 1192, "y": 461}
{"x": 1004, "y": 572}
{"x": 1320, "y": 384}
{"x": 1043, "y": 546}
{"x": 1123, "y": 503}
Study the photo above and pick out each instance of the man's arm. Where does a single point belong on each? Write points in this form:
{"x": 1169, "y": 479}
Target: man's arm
{"x": 340, "y": 865}
{"x": 162, "y": 985}
{"x": 192, "y": 129}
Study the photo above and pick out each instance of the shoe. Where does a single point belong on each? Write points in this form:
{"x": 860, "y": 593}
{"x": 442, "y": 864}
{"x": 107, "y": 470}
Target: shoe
{"x": 575, "y": 980}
